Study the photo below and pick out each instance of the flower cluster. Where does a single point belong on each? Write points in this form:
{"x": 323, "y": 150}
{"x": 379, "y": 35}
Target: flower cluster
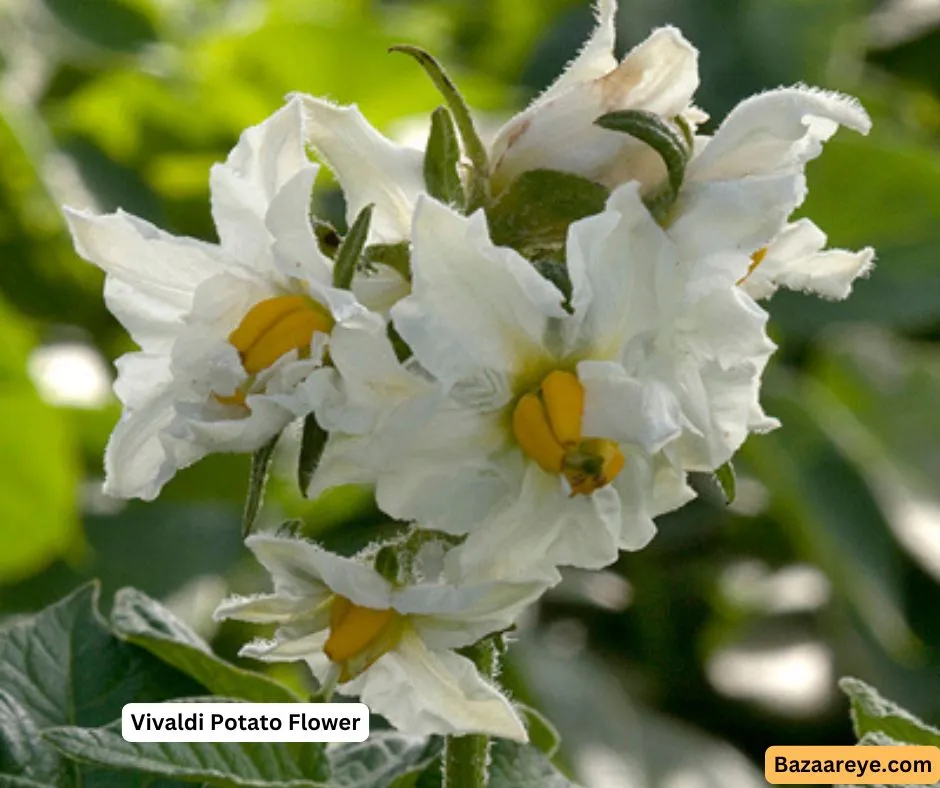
{"x": 523, "y": 347}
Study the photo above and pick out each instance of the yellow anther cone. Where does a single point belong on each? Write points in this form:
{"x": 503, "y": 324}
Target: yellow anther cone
{"x": 261, "y": 317}
{"x": 534, "y": 434}
{"x": 354, "y": 628}
{"x": 563, "y": 396}
{"x": 293, "y": 332}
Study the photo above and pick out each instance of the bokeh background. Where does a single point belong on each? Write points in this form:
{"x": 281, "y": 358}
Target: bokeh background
{"x": 679, "y": 665}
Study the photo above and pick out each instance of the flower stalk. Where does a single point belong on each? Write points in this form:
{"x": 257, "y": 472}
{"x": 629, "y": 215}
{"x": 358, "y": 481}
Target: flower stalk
{"x": 466, "y": 758}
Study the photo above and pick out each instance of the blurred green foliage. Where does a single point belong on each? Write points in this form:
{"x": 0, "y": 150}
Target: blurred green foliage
{"x": 127, "y": 103}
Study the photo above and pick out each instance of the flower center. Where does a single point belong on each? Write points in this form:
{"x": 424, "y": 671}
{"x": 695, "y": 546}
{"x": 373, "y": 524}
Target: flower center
{"x": 272, "y": 328}
{"x": 360, "y": 635}
{"x": 547, "y": 426}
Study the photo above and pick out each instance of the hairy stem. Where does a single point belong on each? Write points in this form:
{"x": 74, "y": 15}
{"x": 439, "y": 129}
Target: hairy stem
{"x": 466, "y": 758}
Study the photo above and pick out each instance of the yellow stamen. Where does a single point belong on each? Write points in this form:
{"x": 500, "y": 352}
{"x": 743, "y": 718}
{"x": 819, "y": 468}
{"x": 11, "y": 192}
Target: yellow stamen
{"x": 756, "y": 259}
{"x": 353, "y": 629}
{"x": 563, "y": 396}
{"x": 238, "y": 398}
{"x": 534, "y": 433}
{"x": 261, "y": 318}
{"x": 547, "y": 427}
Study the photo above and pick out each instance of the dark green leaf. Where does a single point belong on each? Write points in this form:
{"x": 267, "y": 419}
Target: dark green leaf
{"x": 350, "y": 250}
{"x": 65, "y": 668}
{"x": 442, "y": 160}
{"x": 226, "y": 764}
{"x": 312, "y": 444}
{"x": 873, "y": 714}
{"x": 533, "y": 215}
{"x": 260, "y": 465}
{"x": 386, "y": 759}
{"x": 476, "y": 151}
{"x": 651, "y": 129}
{"x": 727, "y": 481}
{"x": 107, "y": 23}
{"x": 141, "y": 620}
{"x": 22, "y": 755}
{"x": 515, "y": 765}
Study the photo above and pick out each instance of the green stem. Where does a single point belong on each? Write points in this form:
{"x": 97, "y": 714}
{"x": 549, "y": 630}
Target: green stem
{"x": 466, "y": 758}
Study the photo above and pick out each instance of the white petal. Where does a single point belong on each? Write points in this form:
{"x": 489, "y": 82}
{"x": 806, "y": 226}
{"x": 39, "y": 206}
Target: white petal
{"x": 618, "y": 262}
{"x": 627, "y": 410}
{"x": 635, "y": 487}
{"x": 557, "y": 132}
{"x": 267, "y": 158}
{"x": 165, "y": 269}
{"x": 308, "y": 647}
{"x": 137, "y": 459}
{"x": 734, "y": 216}
{"x": 266, "y": 608}
{"x": 300, "y": 568}
{"x": 542, "y": 529}
{"x": 774, "y": 132}
{"x": 424, "y": 693}
{"x": 795, "y": 259}
{"x": 596, "y": 58}
{"x": 381, "y": 289}
{"x": 449, "y": 476}
{"x": 455, "y": 616}
{"x": 370, "y": 167}
{"x": 473, "y": 304}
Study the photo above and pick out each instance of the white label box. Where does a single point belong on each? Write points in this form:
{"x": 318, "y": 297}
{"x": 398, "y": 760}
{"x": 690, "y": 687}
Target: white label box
{"x": 244, "y": 722}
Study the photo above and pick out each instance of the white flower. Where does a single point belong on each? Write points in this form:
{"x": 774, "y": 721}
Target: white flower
{"x": 570, "y": 431}
{"x": 557, "y": 130}
{"x": 392, "y": 646}
{"x": 743, "y": 183}
{"x": 227, "y": 332}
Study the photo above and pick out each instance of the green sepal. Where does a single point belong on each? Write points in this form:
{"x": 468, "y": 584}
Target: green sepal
{"x": 648, "y": 127}
{"x": 350, "y": 250}
{"x": 260, "y": 465}
{"x": 557, "y": 273}
{"x": 312, "y": 443}
{"x": 727, "y": 480}
{"x": 442, "y": 160}
{"x": 533, "y": 214}
{"x": 478, "y": 181}
{"x": 387, "y": 563}
{"x": 397, "y": 256}
{"x": 873, "y": 714}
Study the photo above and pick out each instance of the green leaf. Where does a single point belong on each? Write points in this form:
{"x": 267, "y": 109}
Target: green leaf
{"x": 140, "y": 620}
{"x": 442, "y": 160}
{"x": 477, "y": 186}
{"x": 384, "y": 760}
{"x": 727, "y": 481}
{"x": 22, "y": 755}
{"x": 533, "y": 215}
{"x": 350, "y": 250}
{"x": 542, "y": 734}
{"x": 874, "y": 715}
{"x": 225, "y": 764}
{"x": 65, "y": 667}
{"x": 258, "y": 479}
{"x": 651, "y": 129}
{"x": 515, "y": 765}
{"x": 312, "y": 444}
